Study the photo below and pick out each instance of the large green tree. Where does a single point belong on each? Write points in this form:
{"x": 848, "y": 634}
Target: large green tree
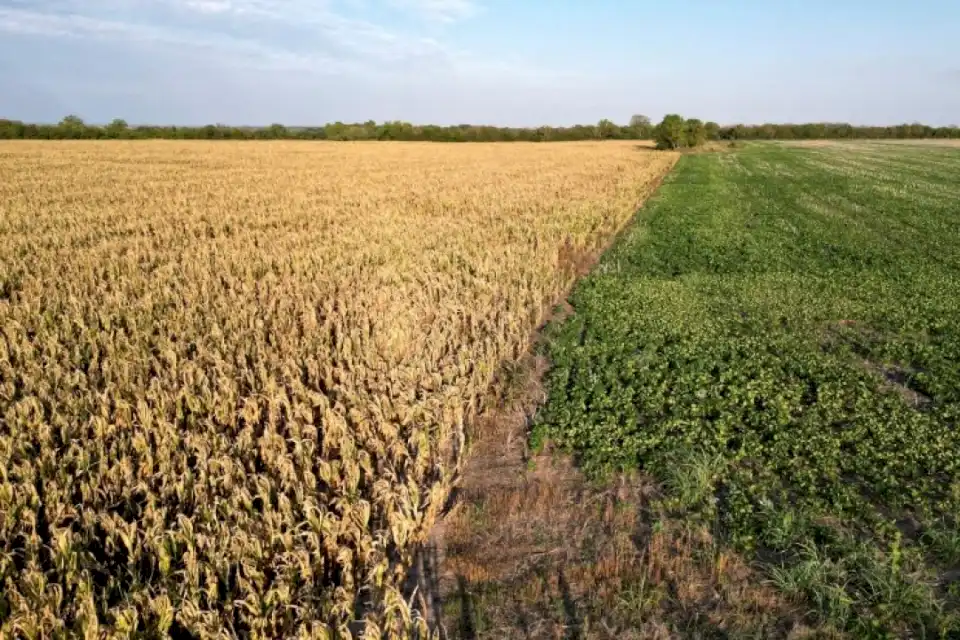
{"x": 670, "y": 133}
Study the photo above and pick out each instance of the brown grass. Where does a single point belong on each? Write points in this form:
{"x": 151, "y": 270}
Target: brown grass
{"x": 532, "y": 550}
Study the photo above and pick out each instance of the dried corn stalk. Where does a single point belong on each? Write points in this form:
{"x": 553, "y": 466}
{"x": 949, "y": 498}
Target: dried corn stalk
{"x": 234, "y": 378}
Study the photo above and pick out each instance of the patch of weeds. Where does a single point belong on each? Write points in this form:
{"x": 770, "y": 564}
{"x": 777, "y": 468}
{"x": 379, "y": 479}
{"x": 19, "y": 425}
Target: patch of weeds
{"x": 689, "y": 479}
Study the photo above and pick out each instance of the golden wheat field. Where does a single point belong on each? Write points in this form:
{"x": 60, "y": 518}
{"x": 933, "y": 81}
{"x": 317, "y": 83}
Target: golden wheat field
{"x": 234, "y": 377}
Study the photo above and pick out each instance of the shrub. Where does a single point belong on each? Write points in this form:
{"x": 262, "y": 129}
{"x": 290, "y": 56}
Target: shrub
{"x": 674, "y": 132}
{"x": 695, "y": 133}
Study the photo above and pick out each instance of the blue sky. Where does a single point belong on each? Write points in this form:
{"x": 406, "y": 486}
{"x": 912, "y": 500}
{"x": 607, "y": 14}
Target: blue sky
{"x": 480, "y": 61}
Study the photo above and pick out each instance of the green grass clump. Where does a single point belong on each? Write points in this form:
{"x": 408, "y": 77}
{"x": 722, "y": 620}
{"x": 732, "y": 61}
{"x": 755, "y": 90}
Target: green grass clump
{"x": 778, "y": 340}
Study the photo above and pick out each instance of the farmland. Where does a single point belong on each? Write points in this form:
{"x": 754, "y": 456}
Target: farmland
{"x": 238, "y": 382}
{"x": 235, "y": 379}
{"x": 777, "y": 343}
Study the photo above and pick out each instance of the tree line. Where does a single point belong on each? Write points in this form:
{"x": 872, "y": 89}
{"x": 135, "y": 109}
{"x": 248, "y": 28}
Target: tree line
{"x": 74, "y": 128}
{"x": 639, "y": 128}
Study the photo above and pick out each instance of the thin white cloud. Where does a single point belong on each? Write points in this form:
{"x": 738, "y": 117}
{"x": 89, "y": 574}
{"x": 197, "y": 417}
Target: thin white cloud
{"x": 31, "y": 23}
{"x": 300, "y": 10}
{"x": 439, "y": 10}
{"x": 305, "y": 35}
{"x": 258, "y": 61}
{"x": 210, "y": 6}
{"x": 227, "y": 49}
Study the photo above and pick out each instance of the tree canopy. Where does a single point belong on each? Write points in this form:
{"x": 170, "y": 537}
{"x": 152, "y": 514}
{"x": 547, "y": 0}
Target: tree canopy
{"x": 670, "y": 133}
{"x": 639, "y": 128}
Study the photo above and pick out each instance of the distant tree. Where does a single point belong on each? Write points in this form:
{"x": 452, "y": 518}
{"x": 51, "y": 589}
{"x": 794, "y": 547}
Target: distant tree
{"x": 12, "y": 129}
{"x": 606, "y": 130}
{"x": 670, "y": 134}
{"x": 639, "y": 128}
{"x": 767, "y": 131}
{"x": 336, "y": 131}
{"x": 785, "y": 132}
{"x": 277, "y": 131}
{"x": 117, "y": 129}
{"x": 918, "y": 130}
{"x": 70, "y": 127}
{"x": 694, "y": 132}
{"x": 391, "y": 131}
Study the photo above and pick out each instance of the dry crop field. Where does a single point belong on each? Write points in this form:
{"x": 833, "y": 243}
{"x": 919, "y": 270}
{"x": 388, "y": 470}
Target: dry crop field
{"x": 234, "y": 378}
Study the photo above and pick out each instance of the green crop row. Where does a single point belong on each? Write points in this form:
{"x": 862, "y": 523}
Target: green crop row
{"x": 778, "y": 341}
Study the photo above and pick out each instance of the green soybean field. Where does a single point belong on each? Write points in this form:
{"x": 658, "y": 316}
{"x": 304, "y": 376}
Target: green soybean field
{"x": 777, "y": 341}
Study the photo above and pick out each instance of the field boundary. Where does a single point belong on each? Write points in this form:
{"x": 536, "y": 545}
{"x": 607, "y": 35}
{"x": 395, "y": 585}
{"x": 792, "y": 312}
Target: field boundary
{"x": 497, "y": 456}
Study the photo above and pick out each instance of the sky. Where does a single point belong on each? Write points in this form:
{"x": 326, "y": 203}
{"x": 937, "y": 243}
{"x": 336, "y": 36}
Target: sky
{"x": 500, "y": 62}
